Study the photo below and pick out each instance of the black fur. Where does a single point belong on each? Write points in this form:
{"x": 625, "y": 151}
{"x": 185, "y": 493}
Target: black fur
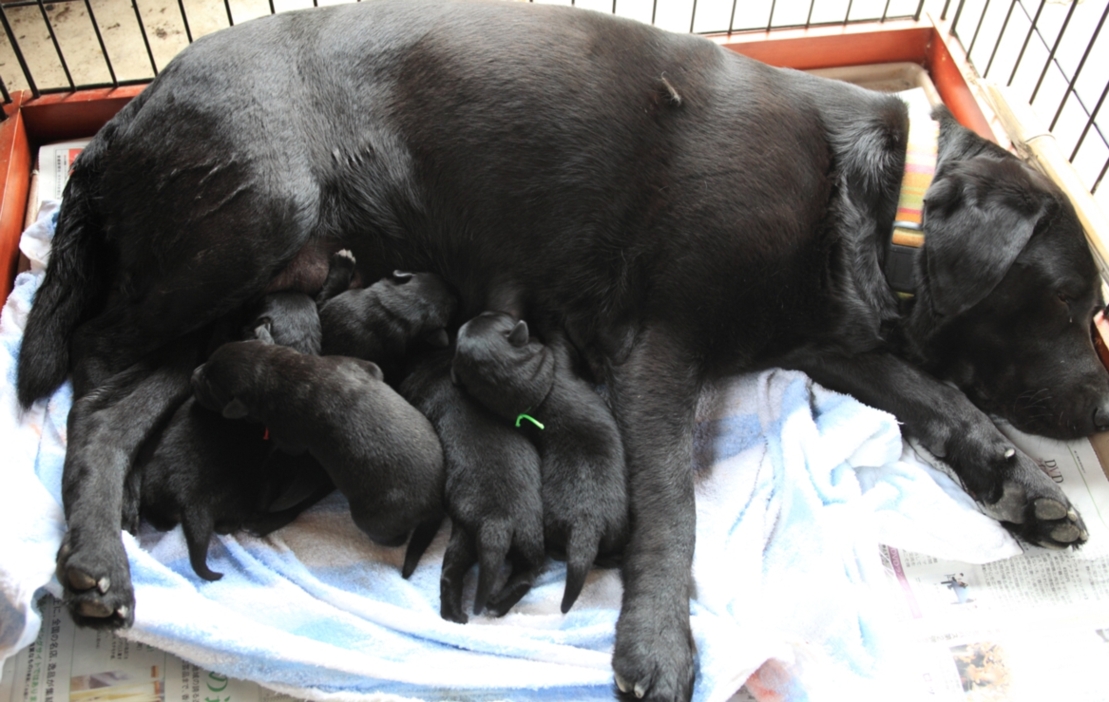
{"x": 492, "y": 493}
{"x": 211, "y": 474}
{"x": 208, "y": 473}
{"x": 380, "y": 452}
{"x": 585, "y": 512}
{"x": 399, "y": 314}
{"x": 540, "y": 150}
{"x": 287, "y": 319}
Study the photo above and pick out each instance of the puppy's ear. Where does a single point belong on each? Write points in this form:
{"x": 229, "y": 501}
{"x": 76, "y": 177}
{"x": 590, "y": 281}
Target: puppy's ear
{"x": 262, "y": 331}
{"x": 519, "y": 334}
{"x": 235, "y": 409}
{"x": 978, "y": 216}
{"x": 372, "y": 368}
{"x": 438, "y": 338}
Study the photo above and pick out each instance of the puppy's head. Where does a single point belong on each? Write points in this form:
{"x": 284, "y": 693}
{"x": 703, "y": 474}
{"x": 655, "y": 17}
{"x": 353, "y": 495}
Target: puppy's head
{"x": 422, "y": 302}
{"x": 287, "y": 319}
{"x": 1010, "y": 290}
{"x": 221, "y": 384}
{"x": 501, "y": 366}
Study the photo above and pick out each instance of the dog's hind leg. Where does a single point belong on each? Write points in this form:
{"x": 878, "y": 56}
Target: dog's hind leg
{"x": 457, "y": 561}
{"x": 494, "y": 538}
{"x": 106, "y": 429}
{"x": 520, "y": 581}
{"x": 655, "y": 395}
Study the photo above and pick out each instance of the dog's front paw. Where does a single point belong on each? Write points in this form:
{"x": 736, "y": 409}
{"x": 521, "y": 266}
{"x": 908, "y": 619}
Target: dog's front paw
{"x": 97, "y": 582}
{"x": 653, "y": 659}
{"x": 1035, "y": 509}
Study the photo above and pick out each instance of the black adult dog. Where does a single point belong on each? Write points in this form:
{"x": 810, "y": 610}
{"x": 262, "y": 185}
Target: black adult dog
{"x": 681, "y": 211}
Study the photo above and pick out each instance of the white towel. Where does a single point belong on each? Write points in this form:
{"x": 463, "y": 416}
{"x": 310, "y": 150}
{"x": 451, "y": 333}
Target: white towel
{"x": 796, "y": 487}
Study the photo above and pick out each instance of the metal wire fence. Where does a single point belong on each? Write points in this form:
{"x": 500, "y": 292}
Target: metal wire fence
{"x": 1054, "y": 56}
{"x": 1051, "y": 52}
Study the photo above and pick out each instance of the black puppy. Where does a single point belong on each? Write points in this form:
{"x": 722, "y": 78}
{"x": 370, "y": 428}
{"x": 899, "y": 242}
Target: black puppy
{"x": 210, "y": 474}
{"x": 492, "y": 492}
{"x": 380, "y": 452}
{"x": 384, "y": 322}
{"x": 534, "y": 386}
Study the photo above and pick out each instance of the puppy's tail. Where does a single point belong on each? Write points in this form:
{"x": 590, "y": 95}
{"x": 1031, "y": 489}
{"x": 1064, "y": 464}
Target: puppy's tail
{"x": 197, "y": 524}
{"x": 421, "y": 538}
{"x": 581, "y": 551}
{"x": 73, "y": 283}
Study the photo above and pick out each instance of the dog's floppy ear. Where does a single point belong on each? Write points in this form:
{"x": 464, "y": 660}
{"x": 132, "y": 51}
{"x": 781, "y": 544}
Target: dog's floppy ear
{"x": 519, "y": 334}
{"x": 978, "y": 216}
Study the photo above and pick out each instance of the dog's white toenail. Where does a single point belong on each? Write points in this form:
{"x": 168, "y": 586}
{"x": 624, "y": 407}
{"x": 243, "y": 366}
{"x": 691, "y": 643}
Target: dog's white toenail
{"x": 621, "y": 683}
{"x": 123, "y": 611}
{"x": 1010, "y": 453}
{"x": 1083, "y": 535}
{"x": 640, "y": 691}
{"x": 1072, "y": 515}
{"x": 103, "y": 584}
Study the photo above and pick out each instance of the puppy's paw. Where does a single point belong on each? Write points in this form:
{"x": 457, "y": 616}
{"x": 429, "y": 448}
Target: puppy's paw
{"x": 653, "y": 659}
{"x": 519, "y": 584}
{"x": 1034, "y": 508}
{"x": 344, "y": 253}
{"x": 97, "y": 582}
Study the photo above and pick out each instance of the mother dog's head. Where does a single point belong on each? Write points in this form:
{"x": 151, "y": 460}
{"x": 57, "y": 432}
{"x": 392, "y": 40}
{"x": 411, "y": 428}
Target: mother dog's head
{"x": 1009, "y": 289}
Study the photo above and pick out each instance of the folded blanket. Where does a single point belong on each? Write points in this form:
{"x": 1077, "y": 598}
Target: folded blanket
{"x": 796, "y": 487}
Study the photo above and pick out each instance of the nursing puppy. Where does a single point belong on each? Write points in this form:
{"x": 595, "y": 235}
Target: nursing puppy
{"x": 380, "y": 452}
{"x": 534, "y": 387}
{"x": 211, "y": 474}
{"x": 384, "y": 322}
{"x": 491, "y": 492}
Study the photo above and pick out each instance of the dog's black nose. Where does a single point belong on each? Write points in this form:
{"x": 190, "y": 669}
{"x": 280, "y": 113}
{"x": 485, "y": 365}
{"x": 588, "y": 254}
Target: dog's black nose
{"x": 1101, "y": 417}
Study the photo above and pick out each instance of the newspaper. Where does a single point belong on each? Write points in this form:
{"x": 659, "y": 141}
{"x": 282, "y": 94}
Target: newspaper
{"x": 83, "y": 665}
{"x": 54, "y": 164}
{"x": 1034, "y": 627}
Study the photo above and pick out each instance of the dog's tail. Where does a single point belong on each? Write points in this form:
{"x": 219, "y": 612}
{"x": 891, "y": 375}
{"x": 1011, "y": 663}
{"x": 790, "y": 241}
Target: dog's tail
{"x": 74, "y": 281}
{"x": 197, "y": 523}
{"x": 581, "y": 550}
{"x": 421, "y": 538}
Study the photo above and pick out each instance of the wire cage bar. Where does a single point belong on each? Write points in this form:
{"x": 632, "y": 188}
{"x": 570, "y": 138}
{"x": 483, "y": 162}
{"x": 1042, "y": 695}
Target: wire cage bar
{"x": 1053, "y": 53}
